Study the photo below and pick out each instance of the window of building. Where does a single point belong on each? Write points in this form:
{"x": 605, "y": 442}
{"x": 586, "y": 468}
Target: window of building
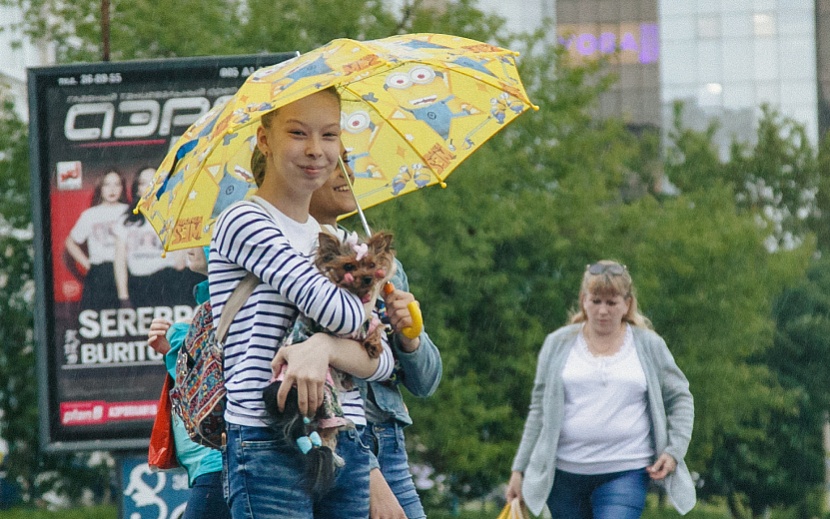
{"x": 764, "y": 24}
{"x": 709, "y": 27}
{"x": 710, "y": 94}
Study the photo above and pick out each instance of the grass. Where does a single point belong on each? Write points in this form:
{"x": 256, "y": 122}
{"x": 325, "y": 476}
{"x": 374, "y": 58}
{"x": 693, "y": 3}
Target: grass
{"x": 92, "y": 512}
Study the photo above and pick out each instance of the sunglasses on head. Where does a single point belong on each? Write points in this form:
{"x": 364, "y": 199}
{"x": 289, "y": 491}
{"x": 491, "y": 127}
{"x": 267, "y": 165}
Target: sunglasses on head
{"x": 614, "y": 269}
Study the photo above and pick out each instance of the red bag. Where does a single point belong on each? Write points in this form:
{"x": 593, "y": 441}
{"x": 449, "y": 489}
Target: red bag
{"x": 162, "y": 454}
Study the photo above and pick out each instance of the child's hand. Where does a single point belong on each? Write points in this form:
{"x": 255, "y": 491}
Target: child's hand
{"x": 303, "y": 365}
{"x": 398, "y": 309}
{"x": 157, "y": 337}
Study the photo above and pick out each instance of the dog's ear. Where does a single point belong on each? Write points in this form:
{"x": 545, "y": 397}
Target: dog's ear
{"x": 380, "y": 242}
{"x": 328, "y": 248}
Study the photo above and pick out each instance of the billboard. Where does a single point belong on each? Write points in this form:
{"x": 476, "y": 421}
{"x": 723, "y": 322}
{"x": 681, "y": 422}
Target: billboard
{"x": 97, "y": 132}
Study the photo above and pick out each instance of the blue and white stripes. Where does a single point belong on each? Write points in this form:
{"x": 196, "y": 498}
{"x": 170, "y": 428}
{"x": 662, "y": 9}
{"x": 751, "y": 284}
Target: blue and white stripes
{"x": 276, "y": 249}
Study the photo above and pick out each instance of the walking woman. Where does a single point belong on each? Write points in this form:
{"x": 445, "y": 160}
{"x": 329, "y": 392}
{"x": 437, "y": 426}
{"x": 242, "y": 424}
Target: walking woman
{"x": 610, "y": 410}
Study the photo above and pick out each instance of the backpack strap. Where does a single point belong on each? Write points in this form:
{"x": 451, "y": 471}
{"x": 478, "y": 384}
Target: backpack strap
{"x": 238, "y": 297}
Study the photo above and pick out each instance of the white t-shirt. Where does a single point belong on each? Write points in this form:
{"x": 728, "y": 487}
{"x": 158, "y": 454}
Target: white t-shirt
{"x": 301, "y": 236}
{"x": 606, "y": 427}
{"x": 144, "y": 248}
{"x": 95, "y": 227}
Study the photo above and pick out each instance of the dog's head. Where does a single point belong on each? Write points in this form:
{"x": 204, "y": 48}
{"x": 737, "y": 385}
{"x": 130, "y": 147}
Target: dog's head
{"x": 359, "y": 267}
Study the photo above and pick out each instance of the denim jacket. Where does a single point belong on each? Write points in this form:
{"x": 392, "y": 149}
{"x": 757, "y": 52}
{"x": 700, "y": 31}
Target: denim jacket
{"x": 421, "y": 369}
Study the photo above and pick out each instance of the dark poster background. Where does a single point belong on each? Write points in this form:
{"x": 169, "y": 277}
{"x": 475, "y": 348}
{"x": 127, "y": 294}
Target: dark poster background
{"x": 99, "y": 381}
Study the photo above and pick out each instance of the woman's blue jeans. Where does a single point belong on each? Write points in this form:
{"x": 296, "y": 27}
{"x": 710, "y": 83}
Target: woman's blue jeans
{"x": 618, "y": 495}
{"x": 264, "y": 477}
{"x": 386, "y": 440}
{"x": 206, "y": 499}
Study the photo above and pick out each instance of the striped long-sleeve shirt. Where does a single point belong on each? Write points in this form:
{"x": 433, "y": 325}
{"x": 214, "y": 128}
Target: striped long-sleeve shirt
{"x": 256, "y": 237}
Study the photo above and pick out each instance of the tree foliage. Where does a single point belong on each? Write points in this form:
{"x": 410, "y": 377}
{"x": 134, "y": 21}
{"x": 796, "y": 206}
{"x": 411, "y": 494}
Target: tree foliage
{"x": 18, "y": 395}
{"x": 769, "y": 452}
{"x": 496, "y": 259}
{"x": 776, "y": 457}
{"x": 146, "y": 29}
{"x": 35, "y": 471}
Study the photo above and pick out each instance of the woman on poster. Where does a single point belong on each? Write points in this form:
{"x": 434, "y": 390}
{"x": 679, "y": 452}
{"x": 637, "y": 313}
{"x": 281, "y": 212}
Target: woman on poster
{"x": 144, "y": 275}
{"x": 94, "y": 232}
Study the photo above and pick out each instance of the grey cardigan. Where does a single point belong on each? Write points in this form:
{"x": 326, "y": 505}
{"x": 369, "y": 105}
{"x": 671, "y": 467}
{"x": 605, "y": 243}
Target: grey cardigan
{"x": 670, "y": 403}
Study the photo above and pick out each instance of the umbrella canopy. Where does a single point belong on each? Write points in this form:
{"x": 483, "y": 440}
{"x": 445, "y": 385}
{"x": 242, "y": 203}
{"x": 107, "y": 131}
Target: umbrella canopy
{"x": 413, "y": 108}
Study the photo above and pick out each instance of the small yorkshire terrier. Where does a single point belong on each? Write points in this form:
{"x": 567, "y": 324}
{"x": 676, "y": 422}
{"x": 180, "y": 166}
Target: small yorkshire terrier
{"x": 361, "y": 268}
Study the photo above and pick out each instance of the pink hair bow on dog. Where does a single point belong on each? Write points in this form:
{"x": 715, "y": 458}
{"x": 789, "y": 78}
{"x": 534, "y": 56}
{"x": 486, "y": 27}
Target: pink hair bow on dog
{"x": 360, "y": 249}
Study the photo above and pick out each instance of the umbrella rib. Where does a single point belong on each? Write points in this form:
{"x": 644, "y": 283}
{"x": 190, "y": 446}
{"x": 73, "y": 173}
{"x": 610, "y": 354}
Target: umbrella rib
{"x": 200, "y": 169}
{"x": 392, "y": 126}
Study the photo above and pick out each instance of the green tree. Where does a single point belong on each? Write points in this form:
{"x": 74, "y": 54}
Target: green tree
{"x": 145, "y": 29}
{"x": 776, "y": 456}
{"x": 36, "y": 471}
{"x": 18, "y": 395}
{"x": 820, "y": 220}
{"x": 777, "y": 178}
{"x": 765, "y": 454}
{"x": 495, "y": 259}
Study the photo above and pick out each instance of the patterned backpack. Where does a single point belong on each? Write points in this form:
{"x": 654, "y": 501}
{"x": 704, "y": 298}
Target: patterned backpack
{"x": 199, "y": 394}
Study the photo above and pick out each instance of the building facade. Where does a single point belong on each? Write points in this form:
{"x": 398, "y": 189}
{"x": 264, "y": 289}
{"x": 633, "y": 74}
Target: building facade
{"x": 626, "y": 34}
{"x": 727, "y": 58}
{"x": 723, "y": 59}
{"x": 17, "y": 53}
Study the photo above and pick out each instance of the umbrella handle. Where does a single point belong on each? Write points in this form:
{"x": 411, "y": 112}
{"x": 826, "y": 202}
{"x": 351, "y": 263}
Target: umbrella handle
{"x": 410, "y": 332}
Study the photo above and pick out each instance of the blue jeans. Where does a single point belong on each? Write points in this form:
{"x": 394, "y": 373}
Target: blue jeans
{"x": 264, "y": 477}
{"x": 386, "y": 440}
{"x": 618, "y": 495}
{"x": 349, "y": 497}
{"x": 206, "y": 498}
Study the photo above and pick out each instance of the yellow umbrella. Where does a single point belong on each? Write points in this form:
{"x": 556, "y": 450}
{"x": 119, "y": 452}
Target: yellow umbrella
{"x": 413, "y": 108}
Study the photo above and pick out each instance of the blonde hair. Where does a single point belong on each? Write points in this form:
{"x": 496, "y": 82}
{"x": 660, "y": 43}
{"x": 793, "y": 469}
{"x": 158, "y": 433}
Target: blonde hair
{"x": 610, "y": 284}
{"x": 258, "y": 159}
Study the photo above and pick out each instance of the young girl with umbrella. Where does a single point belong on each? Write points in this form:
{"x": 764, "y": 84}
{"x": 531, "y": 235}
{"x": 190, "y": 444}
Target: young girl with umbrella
{"x": 273, "y": 238}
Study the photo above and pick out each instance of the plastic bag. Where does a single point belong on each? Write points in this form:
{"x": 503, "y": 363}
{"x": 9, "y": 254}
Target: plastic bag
{"x": 162, "y": 452}
{"x": 515, "y": 509}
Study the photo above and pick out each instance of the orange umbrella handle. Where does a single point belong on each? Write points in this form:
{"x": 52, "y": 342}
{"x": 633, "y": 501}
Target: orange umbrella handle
{"x": 410, "y": 332}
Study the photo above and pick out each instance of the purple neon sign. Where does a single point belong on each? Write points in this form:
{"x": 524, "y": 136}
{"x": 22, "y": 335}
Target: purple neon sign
{"x": 640, "y": 40}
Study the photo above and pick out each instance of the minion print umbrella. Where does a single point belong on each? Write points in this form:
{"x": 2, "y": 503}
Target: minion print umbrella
{"x": 413, "y": 108}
